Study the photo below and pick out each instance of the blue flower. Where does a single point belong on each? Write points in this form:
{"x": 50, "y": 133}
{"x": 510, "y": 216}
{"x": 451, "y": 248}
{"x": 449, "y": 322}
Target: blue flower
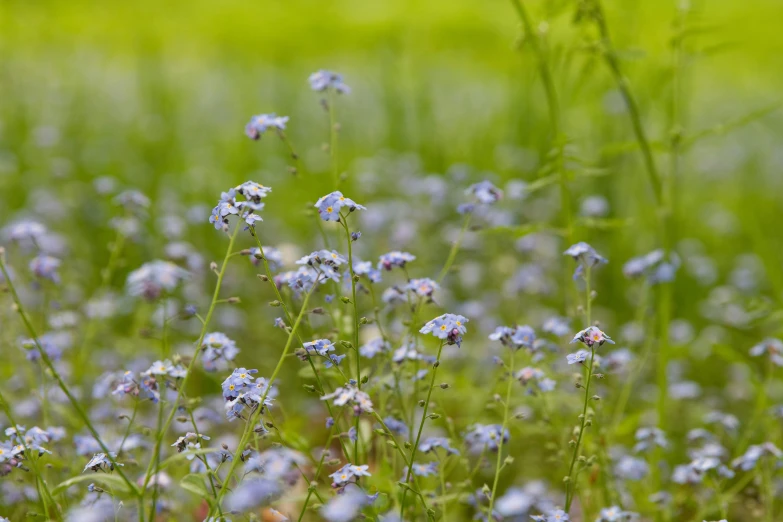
{"x": 101, "y": 462}
{"x": 365, "y": 268}
{"x": 45, "y": 267}
{"x": 555, "y": 515}
{"x": 319, "y": 347}
{"x": 748, "y": 461}
{"x": 322, "y": 80}
{"x": 649, "y": 438}
{"x": 344, "y": 475}
{"x": 274, "y": 257}
{"x": 529, "y": 374}
{"x": 481, "y": 436}
{"x": 330, "y": 205}
{"x": 631, "y": 468}
{"x": 421, "y": 470}
{"x": 395, "y": 258}
{"x": 586, "y": 256}
{"x": 771, "y": 346}
{"x": 260, "y": 123}
{"x": 449, "y": 327}
{"x": 219, "y": 350}
{"x": 423, "y": 287}
{"x": 155, "y": 278}
{"x": 252, "y": 493}
{"x": 397, "y": 427}
{"x": 615, "y": 514}
{"x": 349, "y": 394}
{"x": 374, "y": 347}
{"x": 485, "y": 192}
{"x": 578, "y": 357}
{"x": 433, "y": 443}
{"x": 238, "y": 382}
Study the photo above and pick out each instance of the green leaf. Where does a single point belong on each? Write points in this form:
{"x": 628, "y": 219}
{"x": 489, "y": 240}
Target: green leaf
{"x": 114, "y": 482}
{"x": 195, "y": 484}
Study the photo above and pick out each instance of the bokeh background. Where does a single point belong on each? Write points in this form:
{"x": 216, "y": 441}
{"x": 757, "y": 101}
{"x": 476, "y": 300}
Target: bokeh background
{"x": 155, "y": 95}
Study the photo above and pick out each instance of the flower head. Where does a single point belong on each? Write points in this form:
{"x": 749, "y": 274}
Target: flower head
{"x": 591, "y": 336}
{"x": 448, "y": 327}
{"x": 395, "y": 258}
{"x": 585, "y": 256}
{"x": 322, "y": 80}
{"x": 485, "y": 192}
{"x": 260, "y": 123}
{"x": 330, "y": 205}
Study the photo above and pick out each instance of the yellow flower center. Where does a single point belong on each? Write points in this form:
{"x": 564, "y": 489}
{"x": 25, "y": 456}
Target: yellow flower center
{"x": 443, "y": 327}
{"x": 329, "y": 209}
{"x": 242, "y": 375}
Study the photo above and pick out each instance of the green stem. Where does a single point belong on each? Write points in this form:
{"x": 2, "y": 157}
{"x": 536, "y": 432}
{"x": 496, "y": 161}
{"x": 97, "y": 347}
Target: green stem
{"x": 344, "y": 223}
{"x": 553, "y": 104}
{"x": 40, "y": 483}
{"x": 421, "y": 428}
{"x": 499, "y": 460}
{"x": 610, "y": 56}
{"x": 192, "y": 365}
{"x": 256, "y": 414}
{"x": 48, "y": 362}
{"x": 572, "y": 480}
{"x": 454, "y": 249}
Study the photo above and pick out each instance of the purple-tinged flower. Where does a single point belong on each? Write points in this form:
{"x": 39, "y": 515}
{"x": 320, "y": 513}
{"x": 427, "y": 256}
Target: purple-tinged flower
{"x": 26, "y": 232}
{"x": 252, "y": 493}
{"x": 396, "y": 426}
{"x": 424, "y": 287}
{"x": 591, "y": 336}
{"x": 433, "y": 443}
{"x": 322, "y": 80}
{"x": 535, "y": 375}
{"x": 585, "y": 256}
{"x": 374, "y": 347}
{"x": 485, "y": 192}
{"x": 448, "y": 327}
{"x": 346, "y": 506}
{"x": 395, "y": 258}
{"x": 45, "y": 267}
{"x": 481, "y": 436}
{"x": 260, "y": 123}
{"x": 556, "y": 325}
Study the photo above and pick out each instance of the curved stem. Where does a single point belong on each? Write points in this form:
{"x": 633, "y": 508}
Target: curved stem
{"x": 192, "y": 365}
{"x": 499, "y": 461}
{"x": 454, "y": 249}
{"x": 50, "y": 365}
{"x": 257, "y": 413}
{"x": 421, "y": 428}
